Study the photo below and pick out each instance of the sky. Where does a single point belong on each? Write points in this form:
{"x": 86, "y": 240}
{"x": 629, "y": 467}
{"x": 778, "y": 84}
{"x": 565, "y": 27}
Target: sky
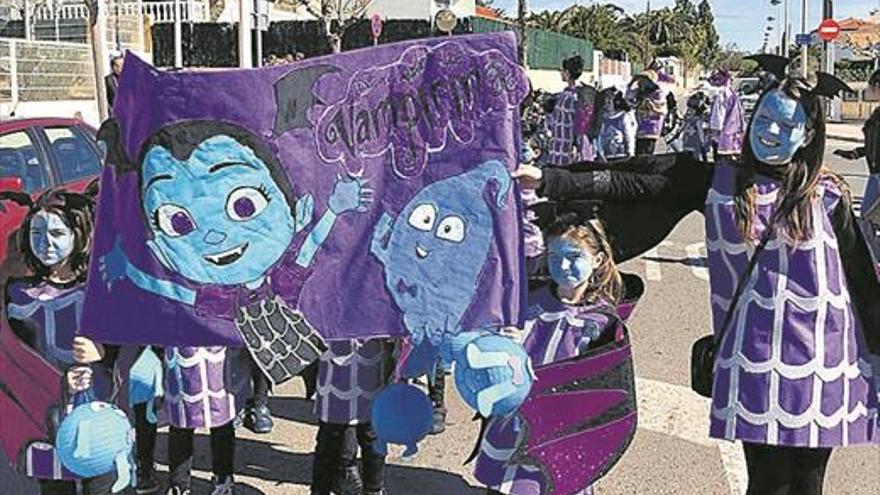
{"x": 737, "y": 21}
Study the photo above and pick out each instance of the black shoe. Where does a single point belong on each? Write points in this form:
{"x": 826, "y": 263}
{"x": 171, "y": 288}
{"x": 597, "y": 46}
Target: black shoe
{"x": 258, "y": 419}
{"x": 146, "y": 480}
{"x": 366, "y": 492}
{"x": 348, "y": 482}
{"x": 439, "y": 425}
{"x": 176, "y": 490}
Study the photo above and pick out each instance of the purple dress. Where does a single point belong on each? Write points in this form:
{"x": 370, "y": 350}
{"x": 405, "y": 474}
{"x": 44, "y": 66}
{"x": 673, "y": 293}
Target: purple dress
{"x": 792, "y": 369}
{"x": 204, "y": 385}
{"x": 554, "y": 332}
{"x": 46, "y": 317}
{"x": 727, "y": 121}
{"x": 350, "y": 374}
{"x": 650, "y": 113}
{"x": 562, "y": 145}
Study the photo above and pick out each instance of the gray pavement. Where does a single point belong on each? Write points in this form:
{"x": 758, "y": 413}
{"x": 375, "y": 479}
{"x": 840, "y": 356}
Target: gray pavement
{"x": 671, "y": 453}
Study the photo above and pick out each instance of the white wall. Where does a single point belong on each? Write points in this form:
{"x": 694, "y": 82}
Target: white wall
{"x": 66, "y": 109}
{"x": 551, "y": 80}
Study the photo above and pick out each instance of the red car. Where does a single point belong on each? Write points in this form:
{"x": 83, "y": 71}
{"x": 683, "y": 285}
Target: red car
{"x": 35, "y": 154}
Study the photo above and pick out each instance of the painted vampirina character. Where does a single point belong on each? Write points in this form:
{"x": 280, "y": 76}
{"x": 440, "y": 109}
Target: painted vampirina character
{"x": 222, "y": 214}
{"x": 792, "y": 378}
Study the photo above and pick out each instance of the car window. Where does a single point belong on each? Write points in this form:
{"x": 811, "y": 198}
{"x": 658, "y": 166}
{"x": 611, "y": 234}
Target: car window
{"x": 75, "y": 158}
{"x": 19, "y": 158}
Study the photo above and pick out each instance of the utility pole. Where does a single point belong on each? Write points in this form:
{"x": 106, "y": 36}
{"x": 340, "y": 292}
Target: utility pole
{"x": 244, "y": 33}
{"x": 97, "y": 33}
{"x": 178, "y": 36}
{"x": 805, "y": 48}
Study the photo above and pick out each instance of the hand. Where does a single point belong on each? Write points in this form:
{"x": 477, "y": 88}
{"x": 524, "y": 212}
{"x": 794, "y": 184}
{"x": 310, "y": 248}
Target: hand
{"x": 529, "y": 176}
{"x": 79, "y": 379}
{"x": 85, "y": 351}
{"x": 350, "y": 193}
{"x": 114, "y": 265}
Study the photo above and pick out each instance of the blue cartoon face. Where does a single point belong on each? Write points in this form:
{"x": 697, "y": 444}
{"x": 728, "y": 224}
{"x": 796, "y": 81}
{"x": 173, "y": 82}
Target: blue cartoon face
{"x": 217, "y": 217}
{"x": 570, "y": 264}
{"x": 437, "y": 248}
{"x": 779, "y": 128}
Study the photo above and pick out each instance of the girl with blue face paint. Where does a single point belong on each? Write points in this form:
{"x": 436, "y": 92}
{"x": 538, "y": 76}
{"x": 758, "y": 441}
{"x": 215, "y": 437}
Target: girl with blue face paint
{"x": 43, "y": 311}
{"x": 574, "y": 313}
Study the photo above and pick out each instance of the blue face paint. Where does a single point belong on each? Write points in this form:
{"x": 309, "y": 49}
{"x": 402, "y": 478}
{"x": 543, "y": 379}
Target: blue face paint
{"x": 50, "y": 238}
{"x": 779, "y": 129}
{"x": 217, "y": 217}
{"x": 569, "y": 263}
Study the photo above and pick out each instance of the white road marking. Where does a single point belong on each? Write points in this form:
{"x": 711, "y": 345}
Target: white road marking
{"x": 652, "y": 267}
{"x": 679, "y": 412}
{"x": 695, "y": 260}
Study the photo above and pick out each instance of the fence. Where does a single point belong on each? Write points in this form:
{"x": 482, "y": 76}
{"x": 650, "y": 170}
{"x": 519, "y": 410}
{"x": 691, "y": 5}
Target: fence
{"x": 32, "y": 71}
{"x": 546, "y": 49}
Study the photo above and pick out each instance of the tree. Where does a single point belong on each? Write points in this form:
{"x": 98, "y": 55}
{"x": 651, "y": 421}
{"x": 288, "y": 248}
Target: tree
{"x": 600, "y": 24}
{"x": 710, "y": 46}
{"x": 336, "y": 16}
{"x": 556, "y": 20}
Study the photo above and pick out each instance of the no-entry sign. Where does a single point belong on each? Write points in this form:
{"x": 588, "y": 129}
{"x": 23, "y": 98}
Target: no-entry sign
{"x": 829, "y": 30}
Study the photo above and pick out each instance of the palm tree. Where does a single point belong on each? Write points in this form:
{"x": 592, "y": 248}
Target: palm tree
{"x": 555, "y": 20}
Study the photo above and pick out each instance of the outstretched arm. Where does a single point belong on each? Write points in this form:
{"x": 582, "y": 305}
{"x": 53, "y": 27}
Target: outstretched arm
{"x": 115, "y": 266}
{"x": 348, "y": 194}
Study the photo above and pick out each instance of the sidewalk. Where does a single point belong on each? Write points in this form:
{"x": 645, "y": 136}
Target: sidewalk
{"x": 844, "y": 131}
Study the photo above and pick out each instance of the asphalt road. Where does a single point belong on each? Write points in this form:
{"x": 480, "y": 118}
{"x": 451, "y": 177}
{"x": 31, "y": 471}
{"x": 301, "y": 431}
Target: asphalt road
{"x": 671, "y": 454}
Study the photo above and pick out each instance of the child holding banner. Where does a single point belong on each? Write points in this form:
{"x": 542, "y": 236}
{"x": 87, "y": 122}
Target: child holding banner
{"x": 350, "y": 374}
{"x": 572, "y": 315}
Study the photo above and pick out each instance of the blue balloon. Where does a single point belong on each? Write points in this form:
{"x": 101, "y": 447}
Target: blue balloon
{"x": 96, "y": 438}
{"x": 493, "y": 373}
{"x": 402, "y": 414}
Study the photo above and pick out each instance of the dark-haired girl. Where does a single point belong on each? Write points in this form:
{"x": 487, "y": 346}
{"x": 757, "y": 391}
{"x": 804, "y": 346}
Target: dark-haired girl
{"x": 43, "y": 311}
{"x": 792, "y": 378}
{"x": 576, "y": 312}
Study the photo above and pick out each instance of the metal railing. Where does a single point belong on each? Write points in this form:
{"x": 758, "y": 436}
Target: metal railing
{"x": 190, "y": 10}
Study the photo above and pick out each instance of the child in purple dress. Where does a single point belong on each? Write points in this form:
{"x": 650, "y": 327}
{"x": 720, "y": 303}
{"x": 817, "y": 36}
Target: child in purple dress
{"x": 350, "y": 374}
{"x": 203, "y": 391}
{"x": 43, "y": 311}
{"x": 573, "y": 314}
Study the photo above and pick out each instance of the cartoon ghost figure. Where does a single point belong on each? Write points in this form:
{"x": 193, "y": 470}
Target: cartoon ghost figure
{"x": 95, "y": 439}
{"x": 435, "y": 250}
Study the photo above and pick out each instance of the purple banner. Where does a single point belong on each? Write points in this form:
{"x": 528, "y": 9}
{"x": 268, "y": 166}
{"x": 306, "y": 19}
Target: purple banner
{"x": 361, "y": 194}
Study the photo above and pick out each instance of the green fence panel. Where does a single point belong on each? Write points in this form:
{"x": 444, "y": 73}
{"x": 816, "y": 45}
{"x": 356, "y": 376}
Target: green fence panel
{"x": 546, "y": 49}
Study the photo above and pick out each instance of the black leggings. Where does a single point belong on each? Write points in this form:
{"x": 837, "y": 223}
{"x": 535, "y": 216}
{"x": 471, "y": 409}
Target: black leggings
{"x": 437, "y": 388}
{"x": 262, "y": 385}
{"x": 180, "y": 453}
{"x": 145, "y": 436}
{"x": 645, "y": 146}
{"x": 785, "y": 470}
{"x": 330, "y": 455}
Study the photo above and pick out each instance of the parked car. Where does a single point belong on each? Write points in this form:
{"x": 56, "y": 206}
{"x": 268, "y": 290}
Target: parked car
{"x": 35, "y": 154}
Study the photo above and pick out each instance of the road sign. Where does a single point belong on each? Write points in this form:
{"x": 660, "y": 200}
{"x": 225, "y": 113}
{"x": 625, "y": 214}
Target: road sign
{"x": 376, "y": 25}
{"x": 445, "y": 20}
{"x": 802, "y": 39}
{"x": 829, "y": 30}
